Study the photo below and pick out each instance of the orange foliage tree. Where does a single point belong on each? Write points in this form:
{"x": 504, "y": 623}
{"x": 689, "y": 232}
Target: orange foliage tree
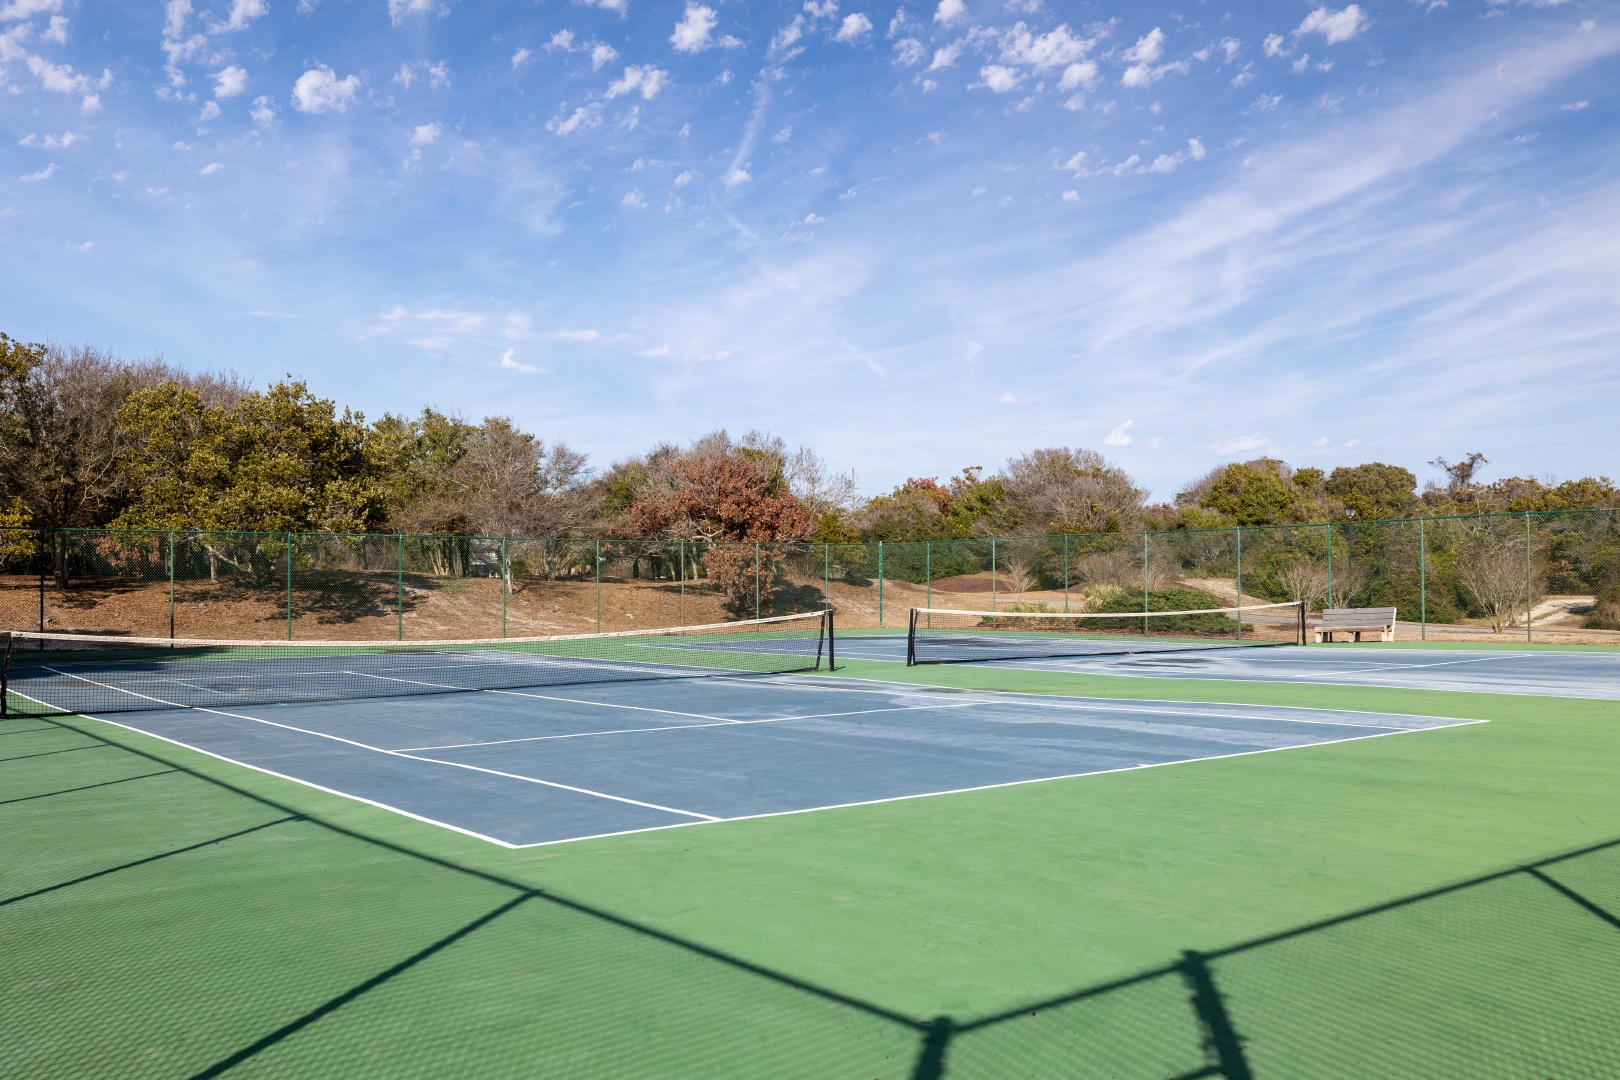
{"x": 729, "y": 501}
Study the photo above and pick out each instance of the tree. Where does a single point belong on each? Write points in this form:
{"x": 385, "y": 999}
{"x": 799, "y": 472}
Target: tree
{"x": 281, "y": 460}
{"x": 1496, "y": 573}
{"x": 727, "y": 498}
{"x": 1374, "y": 490}
{"x": 1259, "y": 492}
{"x": 1064, "y": 490}
{"x": 64, "y": 453}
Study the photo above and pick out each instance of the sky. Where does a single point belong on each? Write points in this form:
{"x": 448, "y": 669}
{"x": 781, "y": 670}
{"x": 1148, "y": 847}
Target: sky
{"x": 914, "y": 237}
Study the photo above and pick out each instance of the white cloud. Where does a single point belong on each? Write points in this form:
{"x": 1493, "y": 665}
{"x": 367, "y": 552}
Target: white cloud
{"x": 814, "y": 219}
{"x": 1273, "y": 45}
{"x": 1071, "y": 196}
{"x": 210, "y": 111}
{"x": 1266, "y": 102}
{"x": 1142, "y": 56}
{"x": 1302, "y": 63}
{"x": 647, "y": 79}
{"x": 510, "y": 363}
{"x": 1082, "y": 75}
{"x": 562, "y": 39}
{"x": 438, "y": 75}
{"x": 949, "y": 11}
{"x": 51, "y": 142}
{"x": 1168, "y": 163}
{"x": 619, "y": 6}
{"x": 976, "y": 192}
{"x": 583, "y": 118}
{"x": 1231, "y": 47}
{"x": 27, "y": 9}
{"x": 519, "y": 56}
{"x": 1576, "y": 106}
{"x": 242, "y": 13}
{"x": 661, "y": 350}
{"x": 426, "y": 134}
{"x": 785, "y": 38}
{"x": 398, "y": 9}
{"x": 785, "y": 135}
{"x": 908, "y": 52}
{"x": 685, "y": 178}
{"x": 1243, "y": 78}
{"x": 1336, "y": 26}
{"x": 945, "y": 57}
{"x": 319, "y": 90}
{"x": 1241, "y": 444}
{"x": 577, "y": 335}
{"x": 853, "y": 27}
{"x": 602, "y": 54}
{"x": 263, "y": 111}
{"x": 230, "y": 82}
{"x": 1000, "y": 79}
{"x": 44, "y": 174}
{"x": 634, "y": 198}
{"x": 1120, "y": 436}
{"x": 736, "y": 175}
{"x": 57, "y": 31}
{"x": 210, "y": 169}
{"x": 1076, "y": 164}
{"x": 1043, "y": 52}
{"x": 821, "y": 9}
{"x": 692, "y": 32}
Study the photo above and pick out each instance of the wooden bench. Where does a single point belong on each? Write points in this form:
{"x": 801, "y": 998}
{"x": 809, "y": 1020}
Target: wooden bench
{"x": 1357, "y": 621}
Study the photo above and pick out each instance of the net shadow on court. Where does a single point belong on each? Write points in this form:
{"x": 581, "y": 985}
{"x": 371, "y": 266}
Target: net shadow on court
{"x": 159, "y": 921}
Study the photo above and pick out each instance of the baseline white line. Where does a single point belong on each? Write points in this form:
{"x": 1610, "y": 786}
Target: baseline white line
{"x": 412, "y": 757}
{"x": 305, "y": 783}
{"x": 1015, "y": 783}
{"x": 683, "y": 727}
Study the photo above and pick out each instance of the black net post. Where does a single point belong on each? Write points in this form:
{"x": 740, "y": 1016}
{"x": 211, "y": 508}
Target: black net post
{"x": 5, "y": 674}
{"x": 911, "y": 639}
{"x": 1304, "y": 638}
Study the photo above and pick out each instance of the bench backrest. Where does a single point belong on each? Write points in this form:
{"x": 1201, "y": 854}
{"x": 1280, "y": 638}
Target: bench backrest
{"x": 1363, "y": 616}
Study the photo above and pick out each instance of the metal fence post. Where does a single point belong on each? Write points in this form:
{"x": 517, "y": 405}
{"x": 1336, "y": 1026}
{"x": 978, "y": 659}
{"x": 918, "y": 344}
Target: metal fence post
{"x": 598, "y": 561}
{"x": 506, "y": 579}
{"x": 288, "y": 554}
{"x": 1144, "y": 584}
{"x": 1423, "y": 584}
{"x": 756, "y": 579}
{"x": 826, "y": 575}
{"x": 1238, "y": 530}
{"x": 928, "y": 576}
{"x": 880, "y": 583}
{"x": 992, "y": 573}
{"x": 40, "y": 558}
{"x": 1330, "y": 563}
{"x": 171, "y": 584}
{"x": 399, "y": 586}
{"x": 1065, "y": 572}
{"x": 1529, "y": 585}
{"x": 682, "y": 585}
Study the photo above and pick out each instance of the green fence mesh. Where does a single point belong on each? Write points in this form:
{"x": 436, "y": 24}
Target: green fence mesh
{"x": 1548, "y": 577}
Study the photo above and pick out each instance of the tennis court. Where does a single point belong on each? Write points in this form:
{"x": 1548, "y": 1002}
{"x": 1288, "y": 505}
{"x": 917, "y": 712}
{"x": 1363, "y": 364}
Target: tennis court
{"x": 702, "y": 853}
{"x": 524, "y": 767}
{"x": 1542, "y": 671}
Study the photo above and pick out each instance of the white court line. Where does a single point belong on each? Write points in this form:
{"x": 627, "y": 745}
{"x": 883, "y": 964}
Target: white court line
{"x": 1009, "y": 783}
{"x": 1111, "y": 705}
{"x": 689, "y": 727}
{"x": 542, "y": 697}
{"x": 396, "y": 753}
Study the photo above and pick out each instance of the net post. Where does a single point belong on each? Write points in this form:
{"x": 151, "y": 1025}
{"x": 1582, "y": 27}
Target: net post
{"x": 5, "y": 674}
{"x": 1304, "y": 630}
{"x": 832, "y": 655}
{"x": 911, "y": 639}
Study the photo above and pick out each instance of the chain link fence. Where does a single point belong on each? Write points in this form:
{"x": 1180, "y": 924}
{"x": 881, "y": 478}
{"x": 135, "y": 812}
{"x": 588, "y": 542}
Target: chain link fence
{"x": 1536, "y": 577}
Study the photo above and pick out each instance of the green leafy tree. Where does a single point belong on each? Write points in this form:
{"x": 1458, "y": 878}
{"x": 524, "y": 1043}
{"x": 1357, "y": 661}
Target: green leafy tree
{"x": 1259, "y": 492}
{"x": 1375, "y": 490}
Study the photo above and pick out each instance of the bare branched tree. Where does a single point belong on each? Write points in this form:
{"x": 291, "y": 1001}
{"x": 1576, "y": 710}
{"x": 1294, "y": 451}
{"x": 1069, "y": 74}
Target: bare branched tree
{"x": 1306, "y": 580}
{"x": 1063, "y": 489}
{"x": 1494, "y": 573}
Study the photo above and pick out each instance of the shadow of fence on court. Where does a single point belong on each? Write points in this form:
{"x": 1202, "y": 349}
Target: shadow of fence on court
{"x": 239, "y": 935}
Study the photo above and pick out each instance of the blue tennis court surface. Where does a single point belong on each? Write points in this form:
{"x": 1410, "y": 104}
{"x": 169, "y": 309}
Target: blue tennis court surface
{"x": 1535, "y": 672}
{"x": 541, "y": 766}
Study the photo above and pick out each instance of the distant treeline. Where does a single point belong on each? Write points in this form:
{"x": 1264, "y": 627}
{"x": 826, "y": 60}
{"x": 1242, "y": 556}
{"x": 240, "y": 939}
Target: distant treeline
{"x": 91, "y": 440}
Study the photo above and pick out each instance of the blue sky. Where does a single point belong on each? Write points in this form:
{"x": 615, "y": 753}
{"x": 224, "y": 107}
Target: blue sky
{"x": 915, "y": 237}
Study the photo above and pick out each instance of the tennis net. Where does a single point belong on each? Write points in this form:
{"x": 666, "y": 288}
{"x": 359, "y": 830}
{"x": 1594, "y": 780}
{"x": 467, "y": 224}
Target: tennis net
{"x": 946, "y": 636}
{"x": 86, "y": 673}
